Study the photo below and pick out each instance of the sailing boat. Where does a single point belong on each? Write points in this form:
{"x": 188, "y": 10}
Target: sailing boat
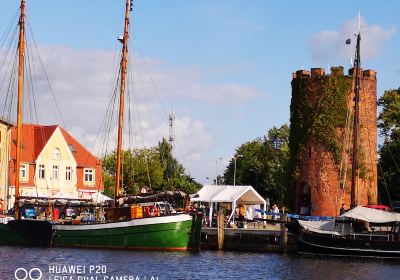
{"x": 127, "y": 227}
{"x": 16, "y": 231}
{"x": 361, "y": 231}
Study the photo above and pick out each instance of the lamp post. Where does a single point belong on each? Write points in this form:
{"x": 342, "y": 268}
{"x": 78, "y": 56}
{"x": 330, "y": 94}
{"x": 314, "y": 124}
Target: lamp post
{"x": 256, "y": 174}
{"x": 234, "y": 169}
{"x": 216, "y": 170}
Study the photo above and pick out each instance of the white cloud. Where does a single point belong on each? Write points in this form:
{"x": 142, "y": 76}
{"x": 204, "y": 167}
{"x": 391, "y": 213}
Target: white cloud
{"x": 82, "y": 82}
{"x": 327, "y": 45}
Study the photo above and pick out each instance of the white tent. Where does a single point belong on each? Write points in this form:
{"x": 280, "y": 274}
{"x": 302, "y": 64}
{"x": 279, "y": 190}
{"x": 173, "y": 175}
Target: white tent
{"x": 98, "y": 197}
{"x": 234, "y": 194}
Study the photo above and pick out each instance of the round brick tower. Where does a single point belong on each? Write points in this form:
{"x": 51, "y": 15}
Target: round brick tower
{"x": 323, "y": 177}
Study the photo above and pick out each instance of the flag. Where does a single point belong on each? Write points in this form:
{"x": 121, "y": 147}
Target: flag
{"x": 348, "y": 41}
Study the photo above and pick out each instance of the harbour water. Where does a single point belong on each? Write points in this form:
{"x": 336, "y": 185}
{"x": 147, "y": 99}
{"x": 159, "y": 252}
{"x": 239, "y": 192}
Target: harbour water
{"x": 86, "y": 264}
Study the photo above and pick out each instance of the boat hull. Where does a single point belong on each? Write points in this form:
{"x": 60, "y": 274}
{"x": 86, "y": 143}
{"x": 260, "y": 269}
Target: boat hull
{"x": 30, "y": 233}
{"x": 177, "y": 232}
{"x": 349, "y": 245}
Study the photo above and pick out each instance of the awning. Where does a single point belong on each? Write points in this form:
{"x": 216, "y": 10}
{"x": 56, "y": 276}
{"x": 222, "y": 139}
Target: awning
{"x": 372, "y": 215}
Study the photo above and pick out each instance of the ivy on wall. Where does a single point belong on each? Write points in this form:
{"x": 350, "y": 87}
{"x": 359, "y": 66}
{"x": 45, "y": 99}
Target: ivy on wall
{"x": 318, "y": 108}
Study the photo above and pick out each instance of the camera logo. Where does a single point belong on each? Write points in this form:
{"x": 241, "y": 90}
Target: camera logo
{"x": 23, "y": 274}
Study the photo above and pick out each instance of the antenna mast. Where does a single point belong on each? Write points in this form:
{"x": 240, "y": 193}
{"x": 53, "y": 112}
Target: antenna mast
{"x": 124, "y": 41}
{"x": 171, "y": 138}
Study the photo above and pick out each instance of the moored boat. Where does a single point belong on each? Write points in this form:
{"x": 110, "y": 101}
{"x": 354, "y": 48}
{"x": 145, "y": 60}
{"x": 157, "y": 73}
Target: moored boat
{"x": 361, "y": 231}
{"x": 173, "y": 232}
{"x": 123, "y": 229}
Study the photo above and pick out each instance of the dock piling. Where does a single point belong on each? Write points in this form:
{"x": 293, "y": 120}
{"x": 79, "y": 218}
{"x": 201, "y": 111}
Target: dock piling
{"x": 220, "y": 230}
{"x": 284, "y": 234}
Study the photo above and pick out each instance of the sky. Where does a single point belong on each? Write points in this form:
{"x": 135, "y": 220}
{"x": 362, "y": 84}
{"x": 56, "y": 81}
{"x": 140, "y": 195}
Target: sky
{"x": 223, "y": 66}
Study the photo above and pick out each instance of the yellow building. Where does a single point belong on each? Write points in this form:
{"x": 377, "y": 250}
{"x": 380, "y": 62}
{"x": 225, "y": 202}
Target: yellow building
{"x": 53, "y": 165}
{"x": 5, "y": 133}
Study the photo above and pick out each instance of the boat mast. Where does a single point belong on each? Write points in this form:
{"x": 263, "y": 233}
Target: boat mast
{"x": 21, "y": 48}
{"x": 124, "y": 41}
{"x": 356, "y": 125}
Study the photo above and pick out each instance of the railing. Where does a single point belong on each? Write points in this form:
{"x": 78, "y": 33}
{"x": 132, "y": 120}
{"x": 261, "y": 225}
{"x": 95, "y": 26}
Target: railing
{"x": 382, "y": 237}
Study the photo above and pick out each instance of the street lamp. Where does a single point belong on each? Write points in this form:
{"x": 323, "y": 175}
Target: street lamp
{"x": 216, "y": 170}
{"x": 256, "y": 174}
{"x": 234, "y": 169}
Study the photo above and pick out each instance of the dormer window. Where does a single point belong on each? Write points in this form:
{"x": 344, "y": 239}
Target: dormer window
{"x": 88, "y": 176}
{"x": 56, "y": 154}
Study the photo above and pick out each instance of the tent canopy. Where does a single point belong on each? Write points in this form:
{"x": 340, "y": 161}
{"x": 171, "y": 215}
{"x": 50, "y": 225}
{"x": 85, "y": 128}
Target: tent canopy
{"x": 372, "y": 215}
{"x": 224, "y": 193}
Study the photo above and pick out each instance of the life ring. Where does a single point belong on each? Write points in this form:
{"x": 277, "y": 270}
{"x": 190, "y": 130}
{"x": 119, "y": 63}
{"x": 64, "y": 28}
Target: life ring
{"x": 152, "y": 211}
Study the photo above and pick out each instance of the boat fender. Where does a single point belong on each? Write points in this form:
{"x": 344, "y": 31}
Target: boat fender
{"x": 1, "y": 206}
{"x": 152, "y": 211}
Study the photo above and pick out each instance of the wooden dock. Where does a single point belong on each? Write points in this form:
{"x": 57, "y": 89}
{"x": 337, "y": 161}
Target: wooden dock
{"x": 255, "y": 237}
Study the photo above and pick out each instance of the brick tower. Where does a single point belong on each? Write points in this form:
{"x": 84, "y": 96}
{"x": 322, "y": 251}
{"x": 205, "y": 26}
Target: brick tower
{"x": 323, "y": 172}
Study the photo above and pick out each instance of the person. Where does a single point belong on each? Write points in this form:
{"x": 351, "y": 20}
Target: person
{"x": 342, "y": 210}
{"x": 275, "y": 210}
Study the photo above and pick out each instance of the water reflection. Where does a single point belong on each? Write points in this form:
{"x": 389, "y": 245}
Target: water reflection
{"x": 205, "y": 265}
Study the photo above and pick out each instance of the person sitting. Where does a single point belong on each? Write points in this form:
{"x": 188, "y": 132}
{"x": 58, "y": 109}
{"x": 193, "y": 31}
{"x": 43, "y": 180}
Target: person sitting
{"x": 342, "y": 210}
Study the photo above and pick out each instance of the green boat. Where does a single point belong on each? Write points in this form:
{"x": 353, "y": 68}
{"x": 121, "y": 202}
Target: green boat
{"x": 153, "y": 232}
{"x": 175, "y": 232}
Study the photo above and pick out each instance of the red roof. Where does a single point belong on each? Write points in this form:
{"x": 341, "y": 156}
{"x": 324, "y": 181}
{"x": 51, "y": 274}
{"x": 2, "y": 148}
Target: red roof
{"x": 82, "y": 156}
{"x": 35, "y": 137}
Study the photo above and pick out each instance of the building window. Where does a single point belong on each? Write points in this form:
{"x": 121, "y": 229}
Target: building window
{"x": 23, "y": 171}
{"x": 54, "y": 172}
{"x": 68, "y": 173}
{"x": 41, "y": 171}
{"x": 309, "y": 152}
{"x": 56, "y": 154}
{"x": 88, "y": 175}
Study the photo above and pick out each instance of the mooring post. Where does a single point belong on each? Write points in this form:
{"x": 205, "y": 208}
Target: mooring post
{"x": 283, "y": 234}
{"x": 220, "y": 230}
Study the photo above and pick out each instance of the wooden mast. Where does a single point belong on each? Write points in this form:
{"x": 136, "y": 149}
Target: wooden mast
{"x": 128, "y": 8}
{"x": 21, "y": 48}
{"x": 356, "y": 125}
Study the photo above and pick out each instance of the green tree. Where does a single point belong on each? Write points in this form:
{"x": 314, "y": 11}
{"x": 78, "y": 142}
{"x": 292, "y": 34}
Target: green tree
{"x": 155, "y": 168}
{"x": 140, "y": 168}
{"x": 263, "y": 163}
{"x": 174, "y": 177}
{"x": 172, "y": 168}
{"x": 389, "y": 152}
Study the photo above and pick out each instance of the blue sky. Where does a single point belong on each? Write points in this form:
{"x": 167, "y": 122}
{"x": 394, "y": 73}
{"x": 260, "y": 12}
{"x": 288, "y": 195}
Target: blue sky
{"x": 224, "y": 66}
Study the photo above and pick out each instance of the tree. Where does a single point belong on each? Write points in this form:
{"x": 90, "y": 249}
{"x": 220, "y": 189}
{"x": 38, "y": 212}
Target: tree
{"x": 172, "y": 168}
{"x": 263, "y": 164}
{"x": 140, "y": 168}
{"x": 155, "y": 168}
{"x": 389, "y": 152}
{"x": 173, "y": 172}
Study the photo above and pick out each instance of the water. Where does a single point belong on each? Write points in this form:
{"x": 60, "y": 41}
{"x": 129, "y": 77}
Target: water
{"x": 183, "y": 265}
